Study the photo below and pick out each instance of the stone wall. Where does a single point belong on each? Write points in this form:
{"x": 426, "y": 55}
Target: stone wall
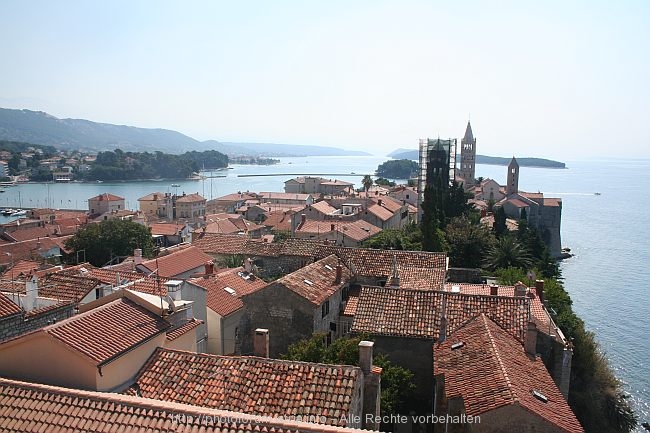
{"x": 24, "y": 323}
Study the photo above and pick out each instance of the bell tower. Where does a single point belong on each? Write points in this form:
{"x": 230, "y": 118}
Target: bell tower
{"x": 468, "y": 157}
{"x": 512, "y": 187}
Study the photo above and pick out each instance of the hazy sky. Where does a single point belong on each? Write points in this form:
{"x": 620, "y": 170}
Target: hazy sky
{"x": 550, "y": 79}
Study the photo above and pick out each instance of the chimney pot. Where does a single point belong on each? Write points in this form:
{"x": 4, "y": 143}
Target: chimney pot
{"x": 494, "y": 290}
{"x": 365, "y": 356}
{"x": 380, "y": 202}
{"x": 248, "y": 265}
{"x": 261, "y": 343}
{"x": 137, "y": 256}
{"x": 332, "y": 227}
{"x": 520, "y": 289}
{"x": 339, "y": 273}
{"x": 209, "y": 268}
{"x": 303, "y": 218}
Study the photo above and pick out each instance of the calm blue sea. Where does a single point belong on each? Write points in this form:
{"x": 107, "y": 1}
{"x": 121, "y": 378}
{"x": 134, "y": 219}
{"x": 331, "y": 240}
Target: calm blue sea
{"x": 608, "y": 278}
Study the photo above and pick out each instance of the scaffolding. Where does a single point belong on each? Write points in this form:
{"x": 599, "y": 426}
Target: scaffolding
{"x": 441, "y": 155}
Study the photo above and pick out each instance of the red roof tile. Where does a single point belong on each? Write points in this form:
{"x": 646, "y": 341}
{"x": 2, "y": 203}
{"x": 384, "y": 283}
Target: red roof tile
{"x": 109, "y": 330}
{"x": 166, "y": 229}
{"x": 36, "y": 408}
{"x": 256, "y": 386}
{"x": 190, "y": 198}
{"x": 178, "y": 262}
{"x": 183, "y": 329}
{"x": 315, "y": 282}
{"x": 8, "y": 307}
{"x": 492, "y": 370}
{"x": 106, "y": 197}
{"x": 225, "y": 302}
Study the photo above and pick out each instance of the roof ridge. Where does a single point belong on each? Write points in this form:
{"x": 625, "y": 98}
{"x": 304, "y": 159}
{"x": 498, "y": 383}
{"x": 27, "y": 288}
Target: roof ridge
{"x": 497, "y": 354}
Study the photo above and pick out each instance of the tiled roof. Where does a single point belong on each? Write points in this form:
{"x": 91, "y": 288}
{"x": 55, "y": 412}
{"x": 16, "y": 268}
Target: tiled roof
{"x": 351, "y": 303}
{"x": 336, "y": 182}
{"x": 412, "y": 277}
{"x": 417, "y": 313}
{"x": 373, "y": 262}
{"x": 132, "y": 280}
{"x": 224, "y": 226}
{"x": 109, "y": 330}
{"x": 165, "y": 229}
{"x": 256, "y": 386}
{"x": 552, "y": 202}
{"x": 225, "y": 302}
{"x": 28, "y": 249}
{"x": 397, "y": 312}
{"x": 380, "y": 212}
{"x": 538, "y": 312}
{"x": 8, "y": 307}
{"x": 315, "y": 282}
{"x": 178, "y": 262}
{"x": 183, "y": 329}
{"x": 492, "y": 370}
{"x": 150, "y": 197}
{"x": 279, "y": 220}
{"x": 36, "y": 408}
{"x": 357, "y": 230}
{"x": 22, "y": 267}
{"x": 516, "y": 202}
{"x": 106, "y": 197}
{"x": 324, "y": 207}
{"x": 190, "y": 198}
{"x": 25, "y": 234}
{"x": 66, "y": 287}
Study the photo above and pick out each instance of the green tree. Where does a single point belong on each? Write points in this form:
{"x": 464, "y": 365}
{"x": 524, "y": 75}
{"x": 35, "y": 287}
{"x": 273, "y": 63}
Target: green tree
{"x": 506, "y": 252}
{"x": 500, "y": 227}
{"x": 398, "y": 169}
{"x": 397, "y": 386}
{"x": 111, "y": 238}
{"x": 367, "y": 183}
{"x": 467, "y": 242}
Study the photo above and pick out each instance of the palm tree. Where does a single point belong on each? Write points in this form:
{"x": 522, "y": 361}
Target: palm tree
{"x": 367, "y": 183}
{"x": 508, "y": 252}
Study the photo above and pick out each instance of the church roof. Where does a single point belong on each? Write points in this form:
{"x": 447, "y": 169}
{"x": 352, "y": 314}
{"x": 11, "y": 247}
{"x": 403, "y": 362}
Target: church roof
{"x": 513, "y": 162}
{"x": 468, "y": 133}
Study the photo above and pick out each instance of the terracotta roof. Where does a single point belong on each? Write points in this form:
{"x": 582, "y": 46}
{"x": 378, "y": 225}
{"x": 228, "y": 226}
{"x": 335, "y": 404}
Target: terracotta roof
{"x": 106, "y": 197}
{"x": 150, "y": 197}
{"x": 315, "y": 282}
{"x": 29, "y": 249}
{"x": 538, "y": 312}
{"x": 237, "y": 196}
{"x": 25, "y": 234}
{"x": 397, "y": 312}
{"x": 336, "y": 182}
{"x": 36, "y": 408}
{"x": 220, "y": 243}
{"x": 224, "y": 226}
{"x": 552, "y": 202}
{"x": 190, "y": 198}
{"x": 165, "y": 229}
{"x": 256, "y": 386}
{"x": 178, "y": 262}
{"x": 516, "y": 202}
{"x": 225, "y": 302}
{"x": 492, "y": 370}
{"x": 109, "y": 330}
{"x": 7, "y": 307}
{"x": 324, "y": 207}
{"x": 183, "y": 329}
{"x": 412, "y": 277}
{"x": 279, "y": 220}
{"x": 358, "y": 230}
{"x": 351, "y": 303}
{"x": 374, "y": 262}
{"x": 22, "y": 268}
{"x": 66, "y": 287}
{"x": 417, "y": 313}
{"x": 132, "y": 280}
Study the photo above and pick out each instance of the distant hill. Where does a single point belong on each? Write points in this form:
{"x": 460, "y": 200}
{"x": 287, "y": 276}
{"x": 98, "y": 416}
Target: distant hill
{"x": 489, "y": 160}
{"x": 41, "y": 128}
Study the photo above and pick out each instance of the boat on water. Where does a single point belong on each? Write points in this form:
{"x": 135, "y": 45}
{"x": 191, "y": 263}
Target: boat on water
{"x": 7, "y": 212}
{"x": 175, "y": 185}
{"x": 19, "y": 212}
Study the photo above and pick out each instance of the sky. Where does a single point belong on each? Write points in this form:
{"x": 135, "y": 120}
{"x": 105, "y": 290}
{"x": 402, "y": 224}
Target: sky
{"x": 552, "y": 79}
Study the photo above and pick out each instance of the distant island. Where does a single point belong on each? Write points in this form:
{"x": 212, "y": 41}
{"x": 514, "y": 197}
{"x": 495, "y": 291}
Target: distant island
{"x": 489, "y": 160}
{"x": 40, "y": 128}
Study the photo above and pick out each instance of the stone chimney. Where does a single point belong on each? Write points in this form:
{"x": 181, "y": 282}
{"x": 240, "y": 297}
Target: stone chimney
{"x": 530, "y": 344}
{"x": 137, "y": 256}
{"x": 371, "y": 386}
{"x": 248, "y": 265}
{"x": 31, "y": 293}
{"x": 209, "y": 268}
{"x": 520, "y": 289}
{"x": 332, "y": 227}
{"x": 339, "y": 274}
{"x": 539, "y": 288}
{"x": 494, "y": 290}
{"x": 174, "y": 289}
{"x": 261, "y": 343}
{"x": 380, "y": 202}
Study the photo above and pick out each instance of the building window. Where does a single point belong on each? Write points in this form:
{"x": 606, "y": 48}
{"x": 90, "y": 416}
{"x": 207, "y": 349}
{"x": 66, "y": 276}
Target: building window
{"x": 325, "y": 308}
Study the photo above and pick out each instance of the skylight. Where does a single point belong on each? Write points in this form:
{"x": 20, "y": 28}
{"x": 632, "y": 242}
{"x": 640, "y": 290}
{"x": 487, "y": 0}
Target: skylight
{"x": 539, "y": 396}
{"x": 457, "y": 345}
{"x": 310, "y": 283}
{"x": 230, "y": 290}
{"x": 328, "y": 267}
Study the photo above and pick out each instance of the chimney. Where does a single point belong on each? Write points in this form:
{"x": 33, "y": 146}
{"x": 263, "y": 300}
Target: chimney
{"x": 137, "y": 256}
{"x": 530, "y": 345}
{"x": 248, "y": 265}
{"x": 380, "y": 202}
{"x": 174, "y": 289}
{"x": 303, "y": 218}
{"x": 539, "y": 288}
{"x": 332, "y": 227}
{"x": 520, "y": 289}
{"x": 371, "y": 386}
{"x": 442, "y": 334}
{"x": 261, "y": 343}
{"x": 209, "y": 268}
{"x": 494, "y": 290}
{"x": 31, "y": 293}
{"x": 339, "y": 274}
{"x": 155, "y": 197}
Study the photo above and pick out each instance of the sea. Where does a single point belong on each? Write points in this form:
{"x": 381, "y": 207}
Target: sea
{"x": 603, "y": 220}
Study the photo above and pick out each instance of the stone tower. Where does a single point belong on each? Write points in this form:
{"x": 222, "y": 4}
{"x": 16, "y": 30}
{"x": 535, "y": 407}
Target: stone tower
{"x": 512, "y": 187}
{"x": 468, "y": 157}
